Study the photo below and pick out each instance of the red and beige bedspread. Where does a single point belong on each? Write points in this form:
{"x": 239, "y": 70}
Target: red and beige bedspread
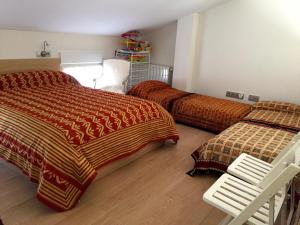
{"x": 259, "y": 141}
{"x": 201, "y": 111}
{"x": 59, "y": 133}
{"x": 207, "y": 112}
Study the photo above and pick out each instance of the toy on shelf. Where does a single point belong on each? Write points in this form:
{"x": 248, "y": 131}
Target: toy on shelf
{"x": 138, "y": 58}
{"x": 132, "y": 42}
{"x": 137, "y": 52}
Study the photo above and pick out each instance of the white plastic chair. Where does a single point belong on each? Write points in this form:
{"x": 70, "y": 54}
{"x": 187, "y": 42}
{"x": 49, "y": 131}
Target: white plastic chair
{"x": 114, "y": 76}
{"x": 242, "y": 201}
{"x": 248, "y": 204}
{"x": 254, "y": 170}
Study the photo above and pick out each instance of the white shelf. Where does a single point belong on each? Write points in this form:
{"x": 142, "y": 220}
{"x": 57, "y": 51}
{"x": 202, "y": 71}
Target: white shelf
{"x": 134, "y": 63}
{"x": 138, "y": 70}
{"x": 132, "y": 52}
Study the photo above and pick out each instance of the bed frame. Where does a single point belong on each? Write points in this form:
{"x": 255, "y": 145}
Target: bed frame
{"x": 24, "y": 65}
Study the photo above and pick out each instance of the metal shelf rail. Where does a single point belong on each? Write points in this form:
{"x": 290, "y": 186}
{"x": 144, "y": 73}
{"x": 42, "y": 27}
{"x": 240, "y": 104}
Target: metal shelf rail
{"x": 142, "y": 69}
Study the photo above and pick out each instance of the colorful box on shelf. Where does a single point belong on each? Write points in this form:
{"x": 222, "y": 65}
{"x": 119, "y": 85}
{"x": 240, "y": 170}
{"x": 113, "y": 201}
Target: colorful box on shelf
{"x": 132, "y": 41}
{"x": 138, "y": 58}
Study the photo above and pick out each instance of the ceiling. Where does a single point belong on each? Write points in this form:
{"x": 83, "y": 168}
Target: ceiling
{"x": 101, "y": 17}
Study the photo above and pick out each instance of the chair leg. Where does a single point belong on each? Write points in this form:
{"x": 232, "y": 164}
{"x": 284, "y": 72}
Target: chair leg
{"x": 292, "y": 204}
{"x": 226, "y": 220}
{"x": 283, "y": 216}
{"x": 287, "y": 219}
{"x": 297, "y": 213}
{"x": 271, "y": 210}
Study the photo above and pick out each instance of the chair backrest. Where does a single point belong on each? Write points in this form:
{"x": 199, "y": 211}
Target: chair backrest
{"x": 291, "y": 156}
{"x": 279, "y": 181}
{"x": 115, "y": 72}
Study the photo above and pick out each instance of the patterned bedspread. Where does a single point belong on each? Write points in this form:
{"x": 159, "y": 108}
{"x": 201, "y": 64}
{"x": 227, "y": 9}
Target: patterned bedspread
{"x": 59, "y": 133}
{"x": 207, "y": 112}
{"x": 201, "y": 111}
{"x": 158, "y": 92}
{"x": 278, "y": 106}
{"x": 280, "y": 119}
{"x": 259, "y": 141}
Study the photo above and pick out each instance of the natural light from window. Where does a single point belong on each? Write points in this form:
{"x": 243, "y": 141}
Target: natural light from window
{"x": 85, "y": 74}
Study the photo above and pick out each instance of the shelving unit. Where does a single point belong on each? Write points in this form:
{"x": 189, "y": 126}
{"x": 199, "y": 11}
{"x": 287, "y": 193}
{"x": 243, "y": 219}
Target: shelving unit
{"x": 139, "y": 65}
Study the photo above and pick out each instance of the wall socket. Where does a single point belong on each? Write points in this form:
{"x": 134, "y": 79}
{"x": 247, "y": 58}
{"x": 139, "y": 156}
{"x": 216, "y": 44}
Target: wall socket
{"x": 253, "y": 98}
{"x": 236, "y": 95}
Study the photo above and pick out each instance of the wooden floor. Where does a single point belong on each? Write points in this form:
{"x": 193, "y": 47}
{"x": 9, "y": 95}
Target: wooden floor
{"x": 153, "y": 190}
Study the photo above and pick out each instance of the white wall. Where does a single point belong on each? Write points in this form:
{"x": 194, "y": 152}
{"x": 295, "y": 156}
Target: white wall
{"x": 25, "y": 44}
{"x": 252, "y": 47}
{"x": 188, "y": 38}
{"x": 163, "y": 43}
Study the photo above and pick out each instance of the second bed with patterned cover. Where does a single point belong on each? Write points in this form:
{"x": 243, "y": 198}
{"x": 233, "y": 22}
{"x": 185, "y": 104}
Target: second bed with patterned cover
{"x": 213, "y": 114}
{"x": 263, "y": 133}
{"x": 259, "y": 141}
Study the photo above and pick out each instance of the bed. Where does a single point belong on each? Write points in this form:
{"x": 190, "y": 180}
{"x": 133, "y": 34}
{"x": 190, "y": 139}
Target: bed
{"x": 213, "y": 114}
{"x": 276, "y": 114}
{"x": 259, "y": 141}
{"x": 263, "y": 133}
{"x": 60, "y": 134}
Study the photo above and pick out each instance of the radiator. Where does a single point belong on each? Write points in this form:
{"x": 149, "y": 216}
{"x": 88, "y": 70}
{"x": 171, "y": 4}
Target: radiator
{"x": 162, "y": 73}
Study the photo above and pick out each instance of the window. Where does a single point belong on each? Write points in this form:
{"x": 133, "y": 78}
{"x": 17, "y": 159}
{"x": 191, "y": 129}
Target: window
{"x": 85, "y": 73}
{"x": 85, "y": 66}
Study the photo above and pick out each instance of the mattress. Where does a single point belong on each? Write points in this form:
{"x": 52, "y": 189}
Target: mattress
{"x": 262, "y": 142}
{"x": 60, "y": 133}
{"x": 213, "y": 114}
